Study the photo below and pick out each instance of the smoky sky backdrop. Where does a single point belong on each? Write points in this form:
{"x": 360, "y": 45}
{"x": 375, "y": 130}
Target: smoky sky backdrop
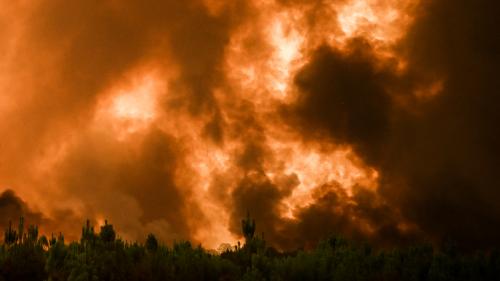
{"x": 376, "y": 119}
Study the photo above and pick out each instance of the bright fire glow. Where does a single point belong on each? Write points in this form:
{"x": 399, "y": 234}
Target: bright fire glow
{"x": 380, "y": 20}
{"x": 131, "y": 106}
{"x": 315, "y": 168}
{"x": 286, "y": 42}
{"x": 261, "y": 58}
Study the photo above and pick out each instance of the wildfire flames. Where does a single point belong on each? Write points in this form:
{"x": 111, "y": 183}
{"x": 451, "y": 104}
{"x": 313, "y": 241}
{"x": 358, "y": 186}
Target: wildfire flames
{"x": 169, "y": 118}
{"x": 261, "y": 59}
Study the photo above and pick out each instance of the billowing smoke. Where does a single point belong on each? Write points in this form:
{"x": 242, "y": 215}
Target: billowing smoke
{"x": 436, "y": 148}
{"x": 375, "y": 119}
{"x": 14, "y": 207}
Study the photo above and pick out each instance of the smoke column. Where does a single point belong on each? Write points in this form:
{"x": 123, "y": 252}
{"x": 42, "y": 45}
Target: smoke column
{"x": 375, "y": 119}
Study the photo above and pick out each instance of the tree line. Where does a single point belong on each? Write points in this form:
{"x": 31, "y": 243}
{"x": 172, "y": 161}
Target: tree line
{"x": 25, "y": 255}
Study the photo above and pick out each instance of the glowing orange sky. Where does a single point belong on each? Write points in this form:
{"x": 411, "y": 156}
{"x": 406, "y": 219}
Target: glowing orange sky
{"x": 260, "y": 60}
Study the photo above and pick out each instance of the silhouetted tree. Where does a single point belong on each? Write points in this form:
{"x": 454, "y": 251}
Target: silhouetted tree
{"x": 88, "y": 235}
{"x": 43, "y": 242}
{"x": 107, "y": 233}
{"x": 336, "y": 258}
{"x": 151, "y": 243}
{"x": 20, "y": 231}
{"x": 32, "y": 236}
{"x": 52, "y": 240}
{"x": 10, "y": 236}
{"x": 248, "y": 228}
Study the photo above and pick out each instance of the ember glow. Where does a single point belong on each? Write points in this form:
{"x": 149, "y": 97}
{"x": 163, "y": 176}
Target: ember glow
{"x": 130, "y": 106}
{"x": 178, "y": 117}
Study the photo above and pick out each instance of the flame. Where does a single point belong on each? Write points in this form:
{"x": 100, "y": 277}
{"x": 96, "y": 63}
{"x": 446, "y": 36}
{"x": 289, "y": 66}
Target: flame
{"x": 130, "y": 105}
{"x": 136, "y": 104}
{"x": 286, "y": 42}
{"x": 315, "y": 168}
{"x": 381, "y": 20}
{"x": 263, "y": 77}
{"x": 429, "y": 91}
{"x": 260, "y": 62}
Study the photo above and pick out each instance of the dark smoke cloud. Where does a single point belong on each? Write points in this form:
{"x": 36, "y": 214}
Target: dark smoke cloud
{"x": 439, "y": 159}
{"x": 134, "y": 188}
{"x": 343, "y": 96}
{"x": 363, "y": 216}
{"x": 437, "y": 155}
{"x": 452, "y": 188}
{"x": 12, "y": 208}
{"x": 260, "y": 197}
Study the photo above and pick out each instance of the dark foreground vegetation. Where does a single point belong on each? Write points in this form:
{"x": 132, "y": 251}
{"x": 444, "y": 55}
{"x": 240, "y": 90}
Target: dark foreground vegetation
{"x": 101, "y": 256}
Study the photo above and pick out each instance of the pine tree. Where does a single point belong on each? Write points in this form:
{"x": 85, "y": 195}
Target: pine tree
{"x": 248, "y": 228}
{"x": 151, "y": 243}
{"x": 21, "y": 230}
{"x": 32, "y": 236}
{"x": 88, "y": 235}
{"x": 107, "y": 233}
{"x": 10, "y": 236}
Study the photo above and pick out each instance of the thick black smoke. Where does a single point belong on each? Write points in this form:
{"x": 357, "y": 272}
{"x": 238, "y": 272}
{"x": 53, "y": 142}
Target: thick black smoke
{"x": 430, "y": 129}
{"x": 12, "y": 208}
{"x": 438, "y": 156}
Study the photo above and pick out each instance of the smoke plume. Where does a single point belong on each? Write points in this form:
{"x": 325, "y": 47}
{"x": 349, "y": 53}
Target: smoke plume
{"x": 375, "y": 119}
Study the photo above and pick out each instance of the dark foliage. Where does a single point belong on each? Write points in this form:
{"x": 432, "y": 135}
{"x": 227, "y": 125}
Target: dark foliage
{"x": 25, "y": 256}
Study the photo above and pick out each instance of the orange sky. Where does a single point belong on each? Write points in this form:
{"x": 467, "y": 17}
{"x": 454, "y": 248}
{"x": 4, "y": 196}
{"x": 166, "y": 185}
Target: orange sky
{"x": 178, "y": 117}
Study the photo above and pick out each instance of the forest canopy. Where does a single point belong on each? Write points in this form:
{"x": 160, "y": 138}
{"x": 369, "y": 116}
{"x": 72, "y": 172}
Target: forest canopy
{"x": 24, "y": 255}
